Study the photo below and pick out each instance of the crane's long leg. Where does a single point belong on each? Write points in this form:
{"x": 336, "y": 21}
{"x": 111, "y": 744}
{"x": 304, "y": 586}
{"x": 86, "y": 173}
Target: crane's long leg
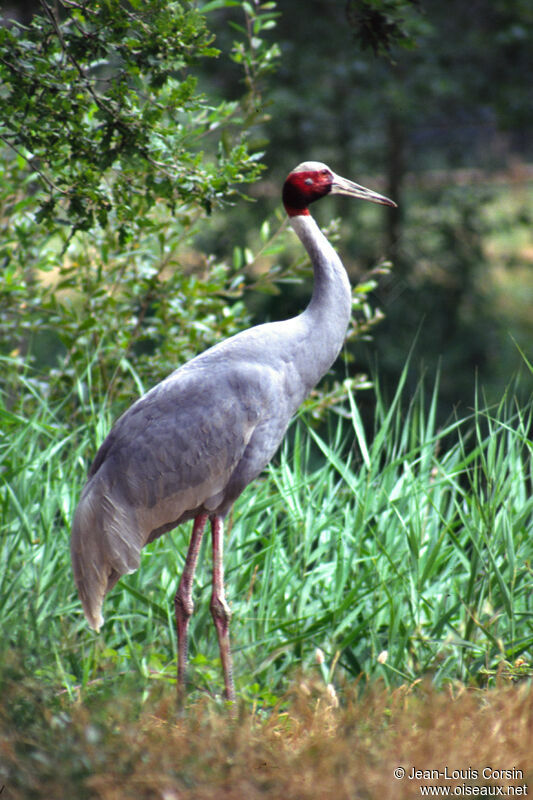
{"x": 220, "y": 610}
{"x": 183, "y": 602}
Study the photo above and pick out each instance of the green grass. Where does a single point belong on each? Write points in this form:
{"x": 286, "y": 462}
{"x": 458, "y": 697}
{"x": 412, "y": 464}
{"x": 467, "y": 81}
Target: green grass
{"x": 407, "y": 539}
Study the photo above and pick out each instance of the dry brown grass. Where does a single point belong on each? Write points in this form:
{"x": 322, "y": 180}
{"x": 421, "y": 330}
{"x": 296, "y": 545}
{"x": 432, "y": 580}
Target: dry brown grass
{"x": 314, "y": 749}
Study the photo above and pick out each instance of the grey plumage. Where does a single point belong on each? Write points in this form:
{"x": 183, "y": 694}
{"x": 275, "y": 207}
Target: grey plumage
{"x": 192, "y": 444}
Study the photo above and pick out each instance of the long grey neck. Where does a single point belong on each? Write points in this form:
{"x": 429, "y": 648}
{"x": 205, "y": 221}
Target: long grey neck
{"x": 328, "y": 314}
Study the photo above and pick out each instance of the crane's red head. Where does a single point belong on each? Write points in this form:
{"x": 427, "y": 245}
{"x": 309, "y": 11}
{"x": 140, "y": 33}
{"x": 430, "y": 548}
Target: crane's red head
{"x": 312, "y": 180}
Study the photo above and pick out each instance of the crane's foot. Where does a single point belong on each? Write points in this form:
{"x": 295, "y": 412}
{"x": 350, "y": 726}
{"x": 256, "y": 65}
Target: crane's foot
{"x": 220, "y": 609}
{"x": 183, "y": 613}
{"x": 221, "y": 614}
{"x": 183, "y": 603}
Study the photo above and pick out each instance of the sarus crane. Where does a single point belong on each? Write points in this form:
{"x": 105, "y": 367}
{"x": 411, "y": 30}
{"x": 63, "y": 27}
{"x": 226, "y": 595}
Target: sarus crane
{"x": 188, "y": 448}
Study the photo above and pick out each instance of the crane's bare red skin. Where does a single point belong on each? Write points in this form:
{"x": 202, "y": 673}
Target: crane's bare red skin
{"x": 302, "y": 188}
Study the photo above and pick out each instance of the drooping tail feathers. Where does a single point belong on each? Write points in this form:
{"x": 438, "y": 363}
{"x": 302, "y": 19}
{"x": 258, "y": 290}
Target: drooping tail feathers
{"x": 105, "y": 544}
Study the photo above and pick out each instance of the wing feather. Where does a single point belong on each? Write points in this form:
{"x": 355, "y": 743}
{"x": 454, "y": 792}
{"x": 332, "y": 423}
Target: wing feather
{"x": 171, "y": 454}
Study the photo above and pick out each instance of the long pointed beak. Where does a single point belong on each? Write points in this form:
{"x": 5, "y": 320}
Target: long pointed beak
{"x": 344, "y": 186}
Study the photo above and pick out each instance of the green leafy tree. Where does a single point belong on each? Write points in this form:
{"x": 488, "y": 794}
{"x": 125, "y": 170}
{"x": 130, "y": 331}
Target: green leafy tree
{"x": 103, "y": 106}
{"x": 113, "y": 160}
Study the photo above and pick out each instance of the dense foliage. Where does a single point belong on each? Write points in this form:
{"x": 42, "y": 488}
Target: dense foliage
{"x": 103, "y": 111}
{"x": 398, "y": 555}
{"x": 115, "y": 158}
